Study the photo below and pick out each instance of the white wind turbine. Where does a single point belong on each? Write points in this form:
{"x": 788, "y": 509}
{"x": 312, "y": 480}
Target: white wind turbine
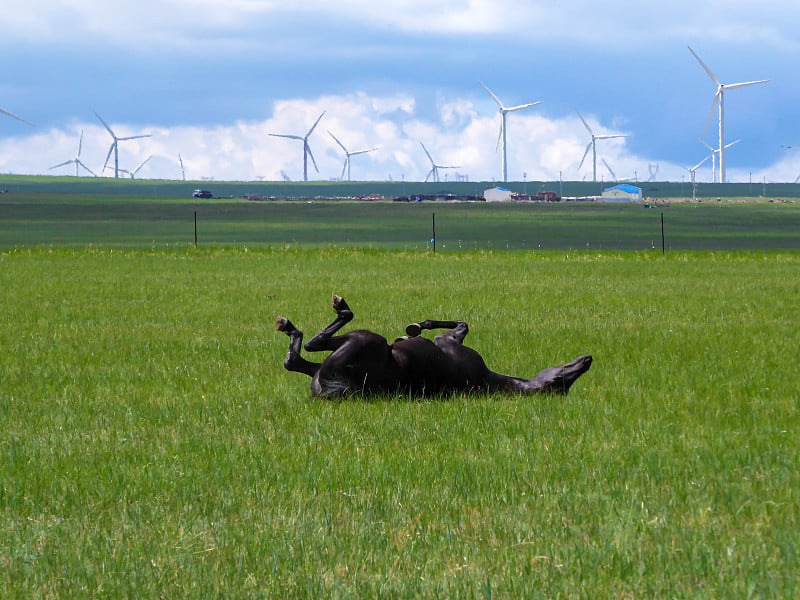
{"x": 306, "y": 147}
{"x": 347, "y": 155}
{"x": 693, "y": 171}
{"x": 183, "y": 171}
{"x": 592, "y": 145}
{"x": 133, "y": 173}
{"x": 719, "y": 98}
{"x": 76, "y": 160}
{"x": 434, "y": 167}
{"x": 504, "y": 110}
{"x": 115, "y": 145}
{"x": 713, "y": 156}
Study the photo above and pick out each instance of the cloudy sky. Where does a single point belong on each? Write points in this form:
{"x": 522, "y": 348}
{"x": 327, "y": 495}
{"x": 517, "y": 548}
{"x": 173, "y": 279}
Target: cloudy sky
{"x": 211, "y": 80}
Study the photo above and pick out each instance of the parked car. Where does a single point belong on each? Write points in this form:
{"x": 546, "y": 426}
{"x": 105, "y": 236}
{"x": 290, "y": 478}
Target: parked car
{"x": 202, "y": 194}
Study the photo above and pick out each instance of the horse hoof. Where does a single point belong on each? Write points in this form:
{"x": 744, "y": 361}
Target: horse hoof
{"x": 283, "y": 324}
{"x": 413, "y": 330}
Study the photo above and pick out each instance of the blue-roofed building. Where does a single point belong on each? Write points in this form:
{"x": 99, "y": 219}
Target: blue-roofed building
{"x": 623, "y": 192}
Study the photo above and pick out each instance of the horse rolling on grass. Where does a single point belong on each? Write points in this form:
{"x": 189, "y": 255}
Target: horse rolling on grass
{"x": 363, "y": 362}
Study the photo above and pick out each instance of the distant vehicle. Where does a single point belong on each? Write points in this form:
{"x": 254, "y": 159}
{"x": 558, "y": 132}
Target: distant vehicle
{"x": 202, "y": 194}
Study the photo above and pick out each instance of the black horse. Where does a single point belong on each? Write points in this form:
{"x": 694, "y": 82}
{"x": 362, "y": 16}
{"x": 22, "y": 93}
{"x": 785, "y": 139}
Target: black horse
{"x": 363, "y": 362}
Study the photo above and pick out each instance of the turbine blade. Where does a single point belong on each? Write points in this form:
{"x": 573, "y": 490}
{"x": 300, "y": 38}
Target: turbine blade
{"x": 491, "y": 93}
{"x": 143, "y": 163}
{"x": 134, "y": 137}
{"x": 105, "y": 125}
{"x": 308, "y": 149}
{"x": 80, "y": 144}
{"x": 13, "y": 116}
{"x": 66, "y": 162}
{"x": 733, "y": 143}
{"x": 284, "y": 135}
{"x": 585, "y": 124}
{"x": 521, "y": 106}
{"x": 733, "y": 86}
{"x": 610, "y": 170}
{"x": 341, "y": 145}
{"x": 427, "y": 153}
{"x": 714, "y": 104}
{"x": 706, "y": 145}
{"x": 611, "y": 136}
{"x": 85, "y": 167}
{"x": 705, "y": 67}
{"x": 315, "y": 124}
{"x": 499, "y": 137}
{"x": 585, "y": 154}
{"x": 344, "y": 167}
{"x": 700, "y": 164}
{"x": 360, "y": 152}
{"x": 110, "y": 150}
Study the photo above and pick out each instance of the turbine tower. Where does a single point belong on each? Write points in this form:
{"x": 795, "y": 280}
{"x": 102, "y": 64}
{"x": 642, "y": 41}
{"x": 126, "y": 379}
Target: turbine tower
{"x": 719, "y": 98}
{"x": 504, "y": 110}
{"x": 76, "y": 160}
{"x": 13, "y": 116}
{"x": 434, "y": 167}
{"x": 115, "y": 145}
{"x": 306, "y": 147}
{"x": 347, "y": 156}
{"x": 592, "y": 145}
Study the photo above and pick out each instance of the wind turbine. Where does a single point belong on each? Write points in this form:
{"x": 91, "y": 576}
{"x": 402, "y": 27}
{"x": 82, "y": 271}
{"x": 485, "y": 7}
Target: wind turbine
{"x": 719, "y": 98}
{"x": 504, "y": 110}
{"x": 136, "y": 170}
{"x": 434, "y": 167}
{"x": 347, "y": 156}
{"x": 13, "y": 116}
{"x": 713, "y": 156}
{"x": 693, "y": 171}
{"x": 592, "y": 145}
{"x": 76, "y": 160}
{"x": 306, "y": 147}
{"x": 183, "y": 171}
{"x": 115, "y": 145}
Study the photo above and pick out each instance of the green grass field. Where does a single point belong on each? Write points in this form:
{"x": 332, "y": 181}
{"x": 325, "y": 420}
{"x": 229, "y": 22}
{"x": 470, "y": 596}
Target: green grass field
{"x": 153, "y": 446}
{"x": 140, "y": 222}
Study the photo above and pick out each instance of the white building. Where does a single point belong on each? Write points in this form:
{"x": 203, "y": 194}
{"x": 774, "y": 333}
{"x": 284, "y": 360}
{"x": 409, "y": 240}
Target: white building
{"x": 623, "y": 192}
{"x": 497, "y": 194}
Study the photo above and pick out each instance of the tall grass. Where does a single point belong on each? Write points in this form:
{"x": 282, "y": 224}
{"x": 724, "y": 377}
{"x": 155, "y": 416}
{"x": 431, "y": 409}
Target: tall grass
{"x": 153, "y": 445}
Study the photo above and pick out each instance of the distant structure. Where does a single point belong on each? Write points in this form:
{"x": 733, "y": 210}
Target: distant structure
{"x": 623, "y": 192}
{"x": 132, "y": 174}
{"x": 719, "y": 99}
{"x": 76, "y": 160}
{"x": 306, "y": 147}
{"x": 183, "y": 171}
{"x": 115, "y": 145}
{"x": 592, "y": 145}
{"x": 347, "y": 155}
{"x": 504, "y": 110}
{"x": 497, "y": 194}
{"x": 434, "y": 172}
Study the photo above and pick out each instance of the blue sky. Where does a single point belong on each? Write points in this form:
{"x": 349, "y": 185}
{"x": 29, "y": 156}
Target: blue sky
{"x": 209, "y": 81}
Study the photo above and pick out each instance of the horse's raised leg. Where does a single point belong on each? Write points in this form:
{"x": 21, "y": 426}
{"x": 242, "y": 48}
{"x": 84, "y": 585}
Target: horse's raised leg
{"x": 293, "y": 361}
{"x": 458, "y": 329}
{"x": 324, "y": 340}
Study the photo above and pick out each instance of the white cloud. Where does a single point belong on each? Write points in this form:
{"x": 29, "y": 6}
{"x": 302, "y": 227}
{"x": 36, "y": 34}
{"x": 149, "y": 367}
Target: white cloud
{"x": 540, "y": 148}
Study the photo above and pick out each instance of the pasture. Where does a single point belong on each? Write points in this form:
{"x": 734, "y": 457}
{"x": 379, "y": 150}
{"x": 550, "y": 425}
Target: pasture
{"x": 153, "y": 445}
{"x": 122, "y": 221}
